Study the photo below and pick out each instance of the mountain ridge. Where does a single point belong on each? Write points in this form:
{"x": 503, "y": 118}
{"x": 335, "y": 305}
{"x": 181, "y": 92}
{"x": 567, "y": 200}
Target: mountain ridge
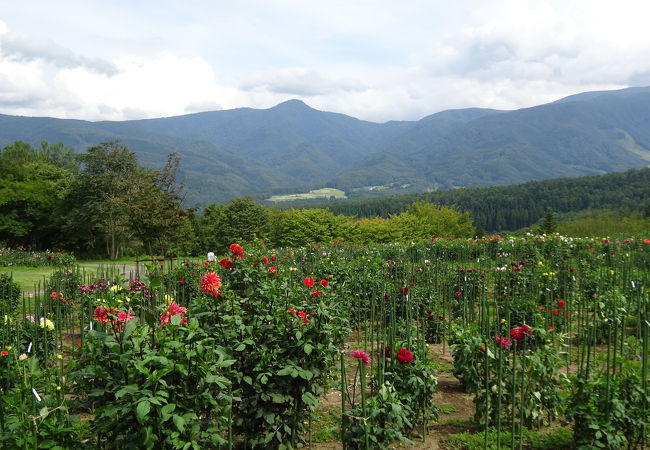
{"x": 292, "y": 147}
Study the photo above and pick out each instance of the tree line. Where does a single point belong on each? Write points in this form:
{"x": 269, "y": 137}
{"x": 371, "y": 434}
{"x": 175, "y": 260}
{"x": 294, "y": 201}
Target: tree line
{"x": 102, "y": 202}
{"x": 513, "y": 207}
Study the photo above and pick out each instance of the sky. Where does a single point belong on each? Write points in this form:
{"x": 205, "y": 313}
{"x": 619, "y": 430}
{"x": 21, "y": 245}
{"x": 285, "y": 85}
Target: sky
{"x": 371, "y": 59}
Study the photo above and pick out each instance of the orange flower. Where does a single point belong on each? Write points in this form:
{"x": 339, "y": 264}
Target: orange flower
{"x": 210, "y": 284}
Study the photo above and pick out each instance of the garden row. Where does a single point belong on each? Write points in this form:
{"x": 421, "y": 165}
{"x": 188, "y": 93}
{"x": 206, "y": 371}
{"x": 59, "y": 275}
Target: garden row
{"x": 237, "y": 352}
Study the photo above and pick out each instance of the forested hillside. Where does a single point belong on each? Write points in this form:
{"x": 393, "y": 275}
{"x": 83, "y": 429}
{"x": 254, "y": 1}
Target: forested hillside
{"x": 518, "y": 206}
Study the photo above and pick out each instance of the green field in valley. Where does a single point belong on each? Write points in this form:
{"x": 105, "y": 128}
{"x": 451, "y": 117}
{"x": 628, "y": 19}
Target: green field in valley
{"x": 316, "y": 193}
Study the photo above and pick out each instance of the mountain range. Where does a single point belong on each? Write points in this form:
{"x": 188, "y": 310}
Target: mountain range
{"x": 292, "y": 147}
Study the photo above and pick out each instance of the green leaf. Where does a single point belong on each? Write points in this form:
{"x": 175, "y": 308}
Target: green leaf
{"x": 288, "y": 370}
{"x": 44, "y": 412}
{"x": 278, "y": 398}
{"x": 129, "y": 327}
{"x": 179, "y": 422}
{"x": 176, "y": 320}
{"x": 308, "y": 348}
{"x": 167, "y": 410}
{"x": 142, "y": 410}
{"x": 309, "y": 399}
{"x": 130, "y": 389}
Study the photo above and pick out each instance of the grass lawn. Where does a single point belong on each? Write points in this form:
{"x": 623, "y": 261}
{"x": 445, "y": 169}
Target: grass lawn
{"x": 29, "y": 278}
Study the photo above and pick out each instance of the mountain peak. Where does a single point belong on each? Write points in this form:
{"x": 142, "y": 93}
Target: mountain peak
{"x": 293, "y": 104}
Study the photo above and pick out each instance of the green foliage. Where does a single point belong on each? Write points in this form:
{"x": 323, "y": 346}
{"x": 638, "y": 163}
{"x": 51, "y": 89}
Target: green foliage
{"x": 388, "y": 416}
{"x": 283, "y": 348}
{"x": 608, "y": 408}
{"x": 558, "y": 439}
{"x": 548, "y": 224}
{"x": 415, "y": 383}
{"x": 66, "y": 283}
{"x": 99, "y": 198}
{"x": 9, "y": 294}
{"x": 156, "y": 214}
{"x": 240, "y": 220}
{"x": 34, "y": 181}
{"x": 36, "y": 413}
{"x": 164, "y": 386}
{"x": 116, "y": 206}
{"x": 494, "y": 373}
{"x": 522, "y": 205}
{"x": 425, "y": 220}
{"x": 21, "y": 257}
{"x": 298, "y": 227}
{"x": 603, "y": 223}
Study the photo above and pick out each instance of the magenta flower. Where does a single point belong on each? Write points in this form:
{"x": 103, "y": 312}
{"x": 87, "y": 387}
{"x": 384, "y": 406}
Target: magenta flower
{"x": 360, "y": 354}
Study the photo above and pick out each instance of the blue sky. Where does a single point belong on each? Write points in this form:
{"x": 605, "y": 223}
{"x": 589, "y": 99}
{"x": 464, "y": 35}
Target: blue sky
{"x": 376, "y": 60}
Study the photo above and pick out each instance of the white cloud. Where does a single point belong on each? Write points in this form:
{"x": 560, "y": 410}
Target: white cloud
{"x": 24, "y": 48}
{"x": 373, "y": 59}
{"x": 301, "y": 82}
{"x": 145, "y": 87}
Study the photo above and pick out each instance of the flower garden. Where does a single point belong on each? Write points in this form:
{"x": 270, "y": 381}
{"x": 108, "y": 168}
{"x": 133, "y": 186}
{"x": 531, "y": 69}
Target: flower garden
{"x": 546, "y": 333}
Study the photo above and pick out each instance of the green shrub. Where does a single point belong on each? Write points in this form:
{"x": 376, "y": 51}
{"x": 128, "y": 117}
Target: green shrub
{"x": 9, "y": 294}
{"x": 608, "y": 410}
{"x": 21, "y": 257}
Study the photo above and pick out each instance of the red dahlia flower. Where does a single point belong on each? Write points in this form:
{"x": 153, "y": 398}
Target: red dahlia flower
{"x": 504, "y": 342}
{"x": 315, "y": 293}
{"x": 560, "y": 303}
{"x": 272, "y": 269}
{"x": 210, "y": 284}
{"x": 517, "y": 334}
{"x": 123, "y": 316}
{"x": 173, "y": 309}
{"x": 101, "y": 313}
{"x": 300, "y": 314}
{"x": 404, "y": 356}
{"x": 236, "y": 251}
{"x": 309, "y": 281}
{"x": 225, "y": 263}
{"x": 265, "y": 260}
{"x": 324, "y": 283}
